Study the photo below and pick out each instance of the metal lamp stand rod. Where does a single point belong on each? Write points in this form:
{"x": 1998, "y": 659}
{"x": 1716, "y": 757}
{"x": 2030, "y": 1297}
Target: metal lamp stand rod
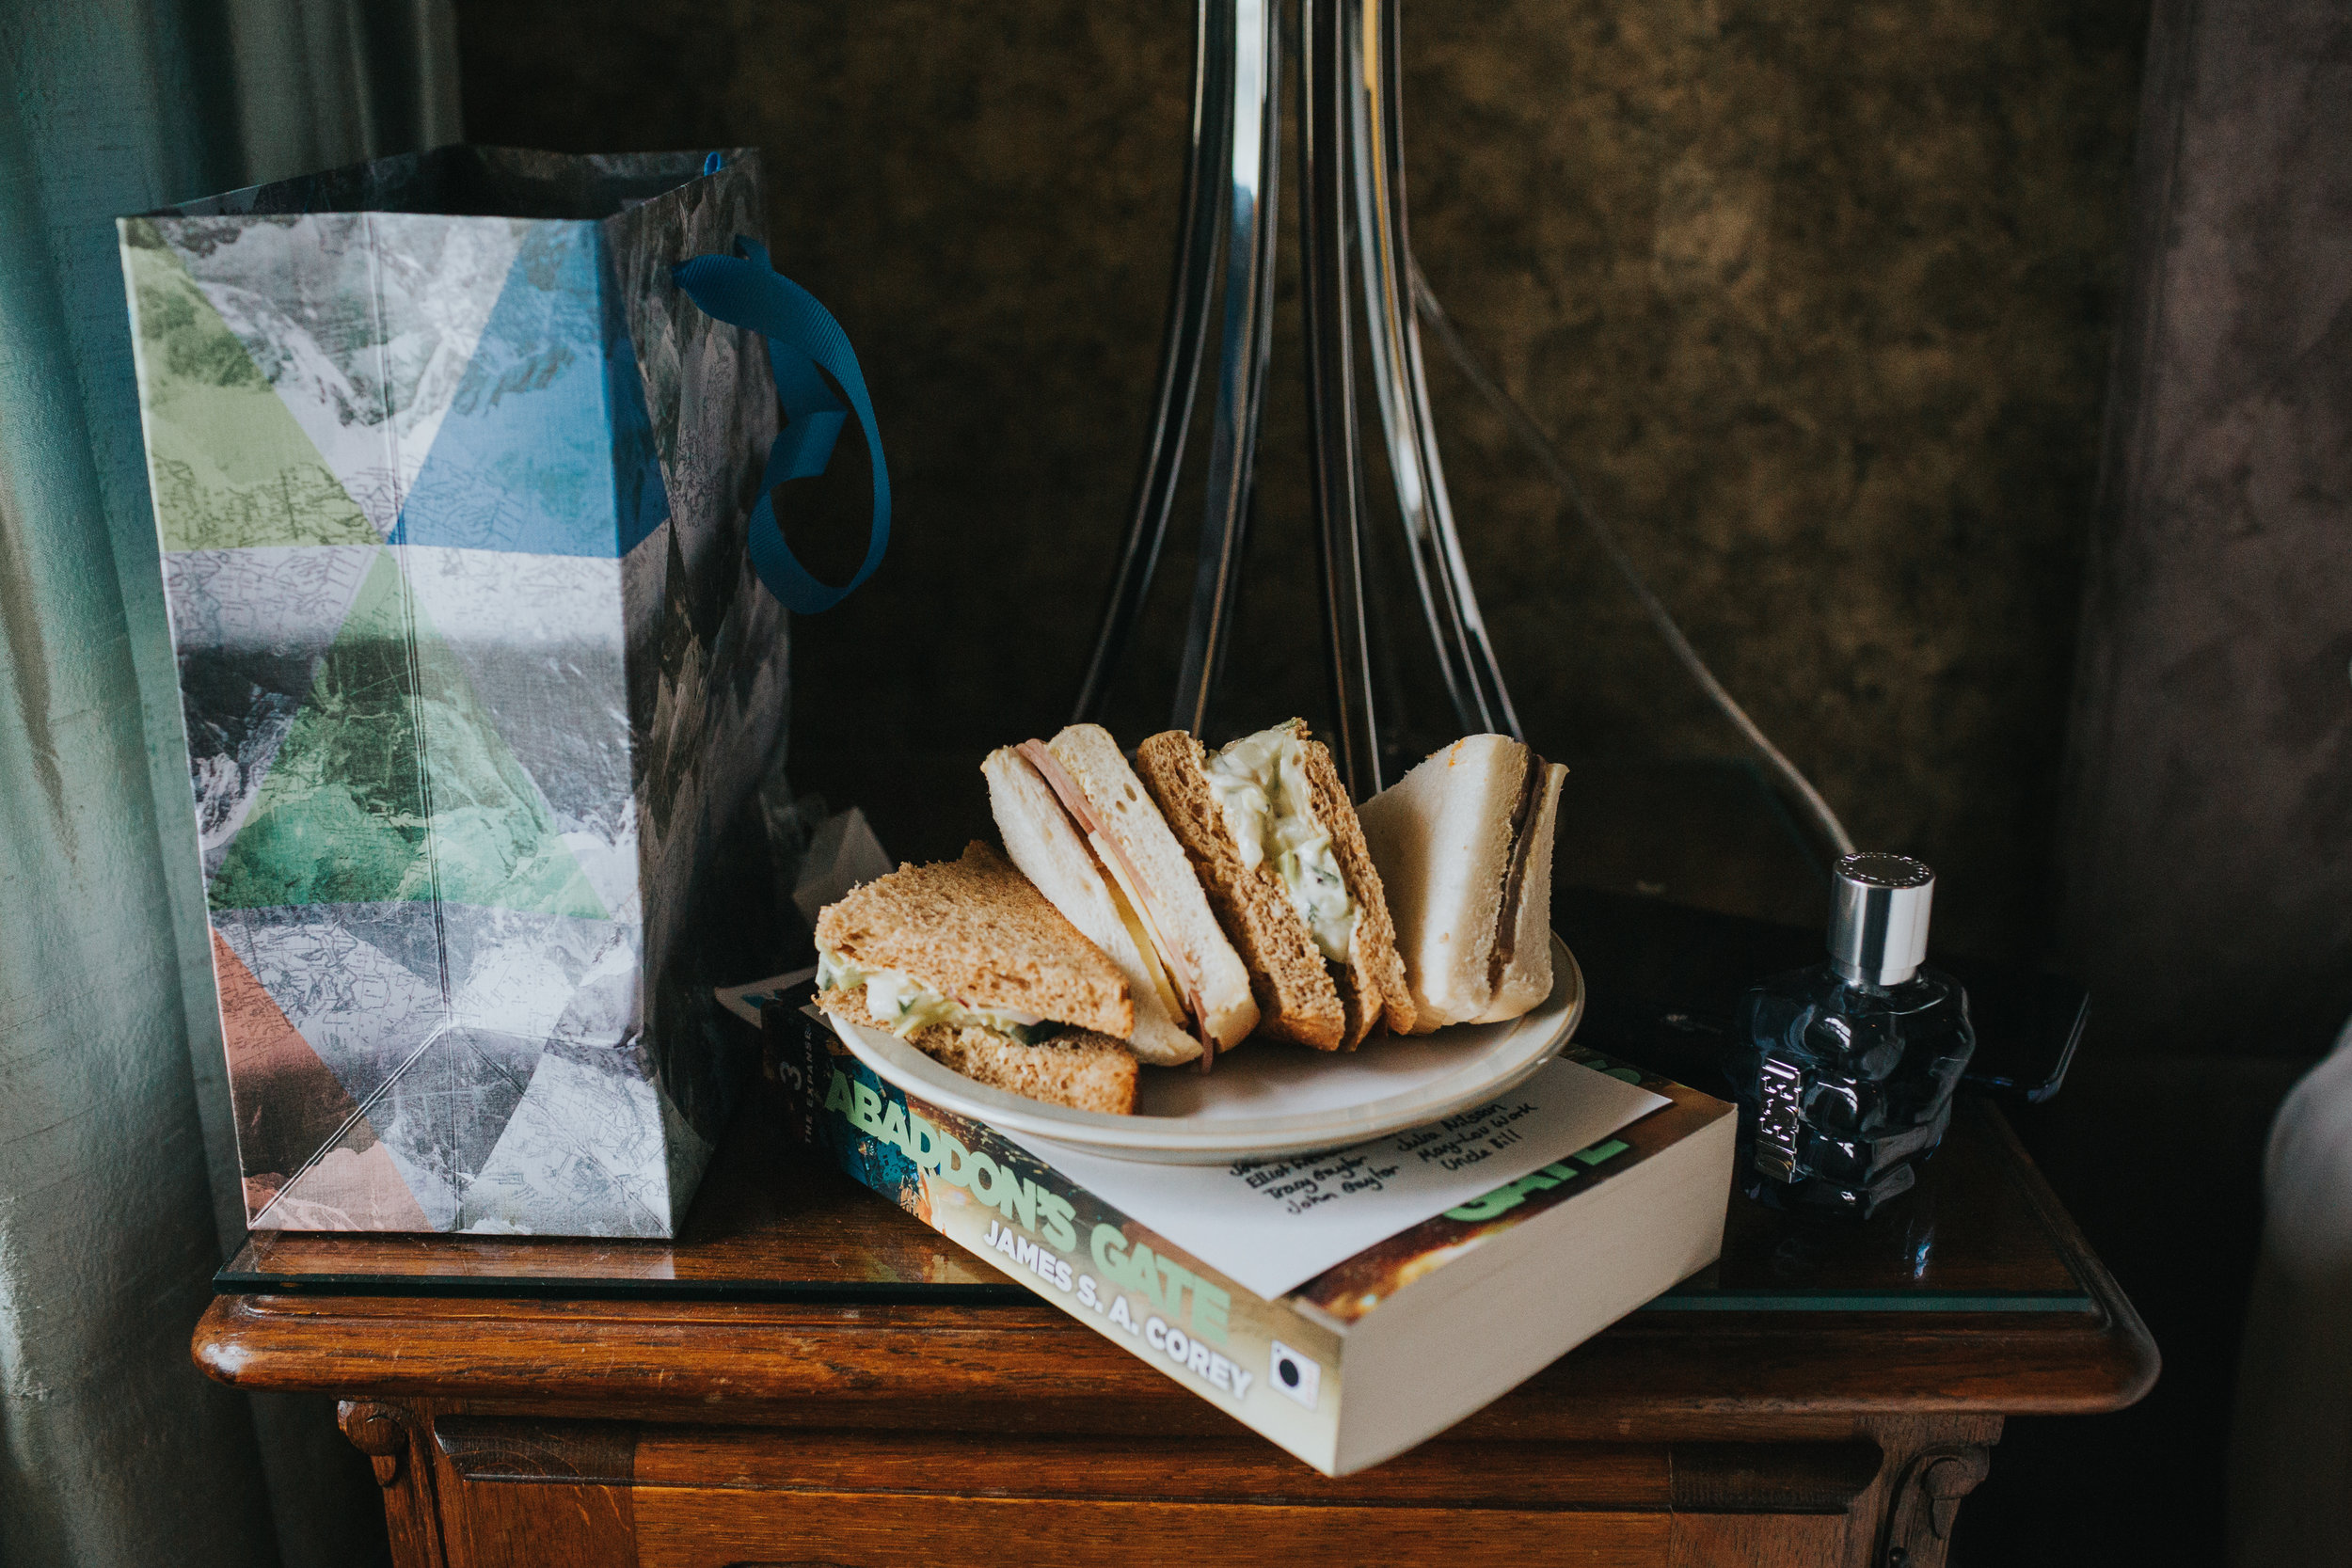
{"x": 1353, "y": 175}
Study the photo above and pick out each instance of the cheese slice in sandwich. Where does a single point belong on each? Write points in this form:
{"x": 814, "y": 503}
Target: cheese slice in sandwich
{"x": 967, "y": 962}
{"x": 1464, "y": 847}
{"x": 1075, "y": 819}
{"x": 1270, "y": 831}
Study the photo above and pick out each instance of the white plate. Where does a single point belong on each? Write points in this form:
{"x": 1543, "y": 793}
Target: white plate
{"x": 1267, "y": 1098}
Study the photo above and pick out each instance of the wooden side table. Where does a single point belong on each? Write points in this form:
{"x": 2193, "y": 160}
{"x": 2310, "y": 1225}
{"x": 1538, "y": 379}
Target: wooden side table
{"x": 809, "y": 1377}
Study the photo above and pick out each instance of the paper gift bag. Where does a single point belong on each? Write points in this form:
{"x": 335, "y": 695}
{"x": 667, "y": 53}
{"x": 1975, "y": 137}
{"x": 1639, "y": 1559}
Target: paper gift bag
{"x": 455, "y": 488}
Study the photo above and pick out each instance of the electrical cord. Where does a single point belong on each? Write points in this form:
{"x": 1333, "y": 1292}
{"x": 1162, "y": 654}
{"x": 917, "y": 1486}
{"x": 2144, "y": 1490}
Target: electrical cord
{"x": 1532, "y": 436}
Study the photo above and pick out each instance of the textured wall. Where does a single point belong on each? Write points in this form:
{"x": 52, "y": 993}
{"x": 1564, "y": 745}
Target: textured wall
{"x": 1817, "y": 293}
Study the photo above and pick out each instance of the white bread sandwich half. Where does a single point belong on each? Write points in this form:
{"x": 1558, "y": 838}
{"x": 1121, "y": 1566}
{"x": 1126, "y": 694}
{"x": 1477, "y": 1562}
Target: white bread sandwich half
{"x": 1464, "y": 847}
{"x": 968, "y": 963}
{"x": 1075, "y": 819}
{"x": 1270, "y": 831}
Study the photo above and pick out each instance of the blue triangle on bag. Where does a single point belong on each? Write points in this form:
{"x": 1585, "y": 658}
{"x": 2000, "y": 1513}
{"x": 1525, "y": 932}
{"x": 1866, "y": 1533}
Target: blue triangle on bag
{"x": 548, "y": 448}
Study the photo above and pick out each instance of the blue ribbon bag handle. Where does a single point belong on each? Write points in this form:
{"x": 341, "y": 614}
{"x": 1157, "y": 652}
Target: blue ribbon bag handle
{"x": 745, "y": 291}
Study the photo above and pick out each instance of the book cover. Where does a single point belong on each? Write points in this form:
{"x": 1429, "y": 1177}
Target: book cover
{"x": 1279, "y": 1365}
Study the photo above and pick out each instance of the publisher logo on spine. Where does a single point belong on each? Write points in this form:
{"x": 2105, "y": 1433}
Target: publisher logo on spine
{"x": 1298, "y": 1376}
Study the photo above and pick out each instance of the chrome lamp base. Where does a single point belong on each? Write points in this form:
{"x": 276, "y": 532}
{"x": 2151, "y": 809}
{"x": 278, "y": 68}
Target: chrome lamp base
{"x": 1350, "y": 222}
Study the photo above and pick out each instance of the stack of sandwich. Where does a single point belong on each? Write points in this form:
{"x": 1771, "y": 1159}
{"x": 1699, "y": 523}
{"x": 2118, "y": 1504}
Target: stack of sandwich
{"x": 1162, "y": 909}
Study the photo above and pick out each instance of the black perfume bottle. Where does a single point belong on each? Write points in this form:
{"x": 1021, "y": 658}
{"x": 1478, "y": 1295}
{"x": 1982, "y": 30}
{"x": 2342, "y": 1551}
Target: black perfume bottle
{"x": 1845, "y": 1071}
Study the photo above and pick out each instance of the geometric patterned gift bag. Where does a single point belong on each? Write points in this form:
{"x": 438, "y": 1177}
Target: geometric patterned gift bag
{"x": 456, "y": 490}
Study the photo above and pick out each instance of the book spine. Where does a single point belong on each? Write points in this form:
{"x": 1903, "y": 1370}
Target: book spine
{"x": 1264, "y": 1363}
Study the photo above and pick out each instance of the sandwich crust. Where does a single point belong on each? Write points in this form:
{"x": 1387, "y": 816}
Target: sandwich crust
{"x": 1078, "y": 1068}
{"x": 979, "y": 932}
{"x": 1527, "y": 979}
{"x": 1297, "y": 998}
{"x": 1371, "y": 983}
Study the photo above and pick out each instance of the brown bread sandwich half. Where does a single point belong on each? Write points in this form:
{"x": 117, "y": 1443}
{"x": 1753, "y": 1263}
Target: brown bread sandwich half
{"x": 967, "y": 962}
{"x": 1077, "y": 822}
{"x": 1270, "y": 831}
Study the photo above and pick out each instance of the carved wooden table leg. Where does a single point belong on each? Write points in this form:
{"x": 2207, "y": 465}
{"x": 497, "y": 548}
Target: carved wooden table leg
{"x": 1926, "y": 1503}
{"x": 393, "y": 1437}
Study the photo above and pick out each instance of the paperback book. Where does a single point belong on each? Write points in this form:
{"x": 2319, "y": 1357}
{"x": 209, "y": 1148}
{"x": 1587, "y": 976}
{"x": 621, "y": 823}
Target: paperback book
{"x": 1372, "y": 1353}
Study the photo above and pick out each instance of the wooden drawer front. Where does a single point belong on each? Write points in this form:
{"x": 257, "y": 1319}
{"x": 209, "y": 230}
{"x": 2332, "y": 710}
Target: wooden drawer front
{"x": 517, "y": 1492}
{"x": 694, "y": 1528}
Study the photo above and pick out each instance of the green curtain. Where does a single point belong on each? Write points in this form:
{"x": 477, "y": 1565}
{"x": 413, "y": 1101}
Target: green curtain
{"x": 117, "y": 1450}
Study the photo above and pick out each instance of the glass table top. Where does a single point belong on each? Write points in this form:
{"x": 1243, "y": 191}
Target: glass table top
{"x": 776, "y": 1224}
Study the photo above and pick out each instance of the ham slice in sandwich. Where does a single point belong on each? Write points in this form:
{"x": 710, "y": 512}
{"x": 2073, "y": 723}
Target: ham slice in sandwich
{"x": 1079, "y": 824}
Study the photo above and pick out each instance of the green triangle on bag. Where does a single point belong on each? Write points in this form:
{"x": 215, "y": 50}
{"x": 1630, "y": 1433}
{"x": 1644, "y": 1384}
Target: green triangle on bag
{"x": 229, "y": 467}
{"x": 392, "y": 783}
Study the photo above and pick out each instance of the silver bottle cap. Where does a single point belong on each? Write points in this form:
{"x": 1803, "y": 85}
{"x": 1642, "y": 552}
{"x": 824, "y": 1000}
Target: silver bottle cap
{"x": 1878, "y": 923}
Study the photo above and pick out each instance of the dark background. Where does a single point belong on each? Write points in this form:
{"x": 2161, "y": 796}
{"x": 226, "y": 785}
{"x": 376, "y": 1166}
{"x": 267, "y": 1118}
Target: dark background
{"x": 1817, "y": 295}
{"x": 1821, "y": 297}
